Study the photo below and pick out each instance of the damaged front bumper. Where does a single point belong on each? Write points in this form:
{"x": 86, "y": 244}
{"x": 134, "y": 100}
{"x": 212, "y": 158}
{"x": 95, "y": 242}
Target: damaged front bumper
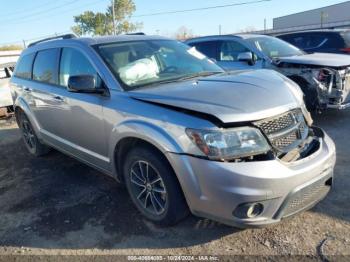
{"x": 216, "y": 190}
{"x": 333, "y": 88}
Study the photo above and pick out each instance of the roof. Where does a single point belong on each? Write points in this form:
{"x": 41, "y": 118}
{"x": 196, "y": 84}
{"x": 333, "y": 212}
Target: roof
{"x": 241, "y": 36}
{"x": 118, "y": 38}
{"x": 103, "y": 39}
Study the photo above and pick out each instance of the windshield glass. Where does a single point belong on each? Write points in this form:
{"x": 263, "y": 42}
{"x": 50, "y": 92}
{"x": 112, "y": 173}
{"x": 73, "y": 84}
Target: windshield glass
{"x": 141, "y": 63}
{"x": 274, "y": 47}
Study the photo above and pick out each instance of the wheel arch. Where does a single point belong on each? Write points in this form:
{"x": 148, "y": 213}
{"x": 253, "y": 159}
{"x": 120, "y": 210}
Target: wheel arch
{"x": 127, "y": 135}
{"x": 21, "y": 105}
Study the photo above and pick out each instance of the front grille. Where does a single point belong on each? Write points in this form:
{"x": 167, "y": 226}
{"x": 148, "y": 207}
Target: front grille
{"x": 286, "y": 131}
{"x": 305, "y": 198}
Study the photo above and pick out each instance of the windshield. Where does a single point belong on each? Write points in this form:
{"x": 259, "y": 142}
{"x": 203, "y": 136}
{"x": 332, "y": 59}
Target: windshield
{"x": 274, "y": 47}
{"x": 141, "y": 63}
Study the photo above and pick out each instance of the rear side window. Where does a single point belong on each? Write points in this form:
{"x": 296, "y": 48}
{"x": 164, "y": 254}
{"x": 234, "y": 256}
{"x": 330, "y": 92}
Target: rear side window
{"x": 45, "y": 66}
{"x": 207, "y": 48}
{"x": 74, "y": 63}
{"x": 24, "y": 66}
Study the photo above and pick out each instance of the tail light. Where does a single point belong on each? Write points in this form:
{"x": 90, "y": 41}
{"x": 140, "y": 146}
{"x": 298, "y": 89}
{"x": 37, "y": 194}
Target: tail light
{"x": 346, "y": 50}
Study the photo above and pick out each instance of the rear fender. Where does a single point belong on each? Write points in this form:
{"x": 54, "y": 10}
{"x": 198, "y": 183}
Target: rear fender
{"x": 21, "y": 104}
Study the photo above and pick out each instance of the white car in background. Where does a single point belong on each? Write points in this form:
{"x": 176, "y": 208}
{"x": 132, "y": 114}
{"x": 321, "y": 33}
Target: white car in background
{"x": 6, "y": 103}
{"x": 8, "y": 61}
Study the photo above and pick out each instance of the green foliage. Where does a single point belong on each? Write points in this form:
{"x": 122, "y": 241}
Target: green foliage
{"x": 90, "y": 23}
{"x": 10, "y": 47}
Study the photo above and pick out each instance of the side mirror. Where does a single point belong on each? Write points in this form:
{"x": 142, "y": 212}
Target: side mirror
{"x": 246, "y": 57}
{"x": 83, "y": 84}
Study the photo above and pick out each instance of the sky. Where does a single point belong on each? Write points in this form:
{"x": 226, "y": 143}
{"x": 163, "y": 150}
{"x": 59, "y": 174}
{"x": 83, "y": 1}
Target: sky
{"x": 29, "y": 20}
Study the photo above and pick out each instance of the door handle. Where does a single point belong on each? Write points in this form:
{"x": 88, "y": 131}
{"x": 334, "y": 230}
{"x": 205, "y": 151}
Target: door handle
{"x": 27, "y": 89}
{"x": 58, "y": 98}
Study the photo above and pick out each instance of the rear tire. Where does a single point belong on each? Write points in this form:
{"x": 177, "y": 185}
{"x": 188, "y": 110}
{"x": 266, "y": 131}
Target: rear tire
{"x": 153, "y": 186}
{"x": 34, "y": 146}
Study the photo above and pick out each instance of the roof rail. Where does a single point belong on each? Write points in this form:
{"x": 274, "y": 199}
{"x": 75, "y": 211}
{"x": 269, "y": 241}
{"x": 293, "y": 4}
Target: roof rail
{"x": 66, "y": 36}
{"x": 137, "y": 33}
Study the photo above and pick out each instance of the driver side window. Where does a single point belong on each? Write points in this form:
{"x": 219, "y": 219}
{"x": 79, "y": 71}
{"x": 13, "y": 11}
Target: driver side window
{"x": 74, "y": 63}
{"x": 229, "y": 50}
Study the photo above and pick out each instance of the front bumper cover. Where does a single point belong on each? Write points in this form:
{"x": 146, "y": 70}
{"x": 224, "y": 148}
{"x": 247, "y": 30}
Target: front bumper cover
{"x": 214, "y": 189}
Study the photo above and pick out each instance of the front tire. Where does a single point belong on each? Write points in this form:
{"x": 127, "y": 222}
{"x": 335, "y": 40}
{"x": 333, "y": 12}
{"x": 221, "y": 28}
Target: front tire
{"x": 153, "y": 186}
{"x": 34, "y": 146}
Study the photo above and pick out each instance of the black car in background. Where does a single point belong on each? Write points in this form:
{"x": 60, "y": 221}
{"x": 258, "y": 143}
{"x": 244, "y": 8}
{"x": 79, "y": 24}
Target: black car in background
{"x": 322, "y": 41}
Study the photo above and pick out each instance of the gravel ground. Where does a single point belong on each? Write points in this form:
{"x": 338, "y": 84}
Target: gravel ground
{"x": 56, "y": 205}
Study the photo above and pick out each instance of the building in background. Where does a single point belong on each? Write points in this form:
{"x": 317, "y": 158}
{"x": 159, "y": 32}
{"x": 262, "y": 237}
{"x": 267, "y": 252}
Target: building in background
{"x": 329, "y": 17}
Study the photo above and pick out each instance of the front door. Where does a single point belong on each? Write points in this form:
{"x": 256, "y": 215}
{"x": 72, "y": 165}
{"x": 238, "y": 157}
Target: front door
{"x": 228, "y": 51}
{"x": 79, "y": 116}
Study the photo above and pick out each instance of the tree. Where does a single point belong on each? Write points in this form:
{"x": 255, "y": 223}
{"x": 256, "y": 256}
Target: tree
{"x": 90, "y": 23}
{"x": 10, "y": 48}
{"x": 183, "y": 33}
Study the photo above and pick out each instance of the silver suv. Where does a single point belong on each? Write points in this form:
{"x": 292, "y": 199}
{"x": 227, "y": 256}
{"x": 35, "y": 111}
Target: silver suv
{"x": 181, "y": 133}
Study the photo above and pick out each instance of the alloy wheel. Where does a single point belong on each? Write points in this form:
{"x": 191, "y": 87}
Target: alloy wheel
{"x": 148, "y": 187}
{"x": 28, "y": 133}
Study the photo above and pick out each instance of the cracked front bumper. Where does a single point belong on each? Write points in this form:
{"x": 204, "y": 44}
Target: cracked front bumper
{"x": 214, "y": 189}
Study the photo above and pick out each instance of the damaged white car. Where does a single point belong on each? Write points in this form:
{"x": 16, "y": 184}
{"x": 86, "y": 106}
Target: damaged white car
{"x": 324, "y": 78}
{"x": 6, "y": 103}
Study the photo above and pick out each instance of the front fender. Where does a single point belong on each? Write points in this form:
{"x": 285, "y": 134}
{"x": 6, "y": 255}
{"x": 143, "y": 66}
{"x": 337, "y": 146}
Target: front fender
{"x": 143, "y": 130}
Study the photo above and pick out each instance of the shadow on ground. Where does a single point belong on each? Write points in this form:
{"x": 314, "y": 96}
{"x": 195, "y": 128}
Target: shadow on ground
{"x": 337, "y": 125}
{"x": 44, "y": 200}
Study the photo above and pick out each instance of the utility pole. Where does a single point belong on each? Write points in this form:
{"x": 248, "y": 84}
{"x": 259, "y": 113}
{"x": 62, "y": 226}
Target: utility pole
{"x": 113, "y": 12}
{"x": 219, "y": 29}
{"x": 265, "y": 25}
{"x": 323, "y": 16}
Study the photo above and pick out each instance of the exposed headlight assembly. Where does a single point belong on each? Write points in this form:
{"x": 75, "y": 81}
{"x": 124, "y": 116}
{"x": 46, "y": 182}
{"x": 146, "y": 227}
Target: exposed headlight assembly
{"x": 230, "y": 143}
{"x": 325, "y": 77}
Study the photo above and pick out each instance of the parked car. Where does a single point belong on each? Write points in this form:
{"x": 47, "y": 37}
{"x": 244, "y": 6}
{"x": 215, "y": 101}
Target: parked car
{"x": 181, "y": 133}
{"x": 6, "y": 103}
{"x": 324, "y": 78}
{"x": 322, "y": 41}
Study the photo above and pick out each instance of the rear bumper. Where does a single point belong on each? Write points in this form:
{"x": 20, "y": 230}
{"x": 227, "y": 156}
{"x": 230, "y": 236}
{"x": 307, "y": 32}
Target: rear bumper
{"x": 215, "y": 189}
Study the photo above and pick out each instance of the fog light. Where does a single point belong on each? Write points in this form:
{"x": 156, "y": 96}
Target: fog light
{"x": 248, "y": 210}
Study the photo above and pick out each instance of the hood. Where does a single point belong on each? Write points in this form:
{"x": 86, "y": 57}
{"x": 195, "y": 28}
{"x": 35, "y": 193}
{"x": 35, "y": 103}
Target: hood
{"x": 319, "y": 59}
{"x": 238, "y": 96}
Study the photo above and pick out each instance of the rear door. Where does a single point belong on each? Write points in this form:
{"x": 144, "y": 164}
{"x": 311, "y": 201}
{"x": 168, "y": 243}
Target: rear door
{"x": 44, "y": 80}
{"x": 208, "y": 48}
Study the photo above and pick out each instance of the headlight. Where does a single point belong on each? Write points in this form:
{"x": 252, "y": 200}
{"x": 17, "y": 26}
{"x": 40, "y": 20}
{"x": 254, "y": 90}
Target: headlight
{"x": 325, "y": 77}
{"x": 229, "y": 144}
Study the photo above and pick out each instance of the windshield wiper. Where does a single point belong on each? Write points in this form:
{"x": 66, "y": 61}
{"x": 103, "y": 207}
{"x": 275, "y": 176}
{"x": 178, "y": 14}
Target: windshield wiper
{"x": 173, "y": 80}
{"x": 209, "y": 73}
